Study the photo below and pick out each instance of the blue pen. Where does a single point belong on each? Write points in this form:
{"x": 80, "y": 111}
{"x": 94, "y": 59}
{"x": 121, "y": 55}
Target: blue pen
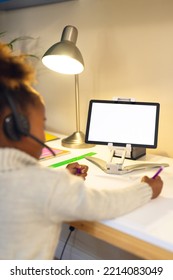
{"x": 158, "y": 172}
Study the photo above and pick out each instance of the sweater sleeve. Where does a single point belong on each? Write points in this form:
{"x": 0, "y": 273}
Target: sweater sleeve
{"x": 71, "y": 200}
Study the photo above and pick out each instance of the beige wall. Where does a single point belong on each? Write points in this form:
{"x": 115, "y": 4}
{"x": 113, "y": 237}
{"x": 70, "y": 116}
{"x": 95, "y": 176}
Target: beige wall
{"x": 127, "y": 46}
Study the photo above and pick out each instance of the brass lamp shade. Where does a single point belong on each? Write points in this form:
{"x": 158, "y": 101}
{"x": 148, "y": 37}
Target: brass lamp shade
{"x": 64, "y": 57}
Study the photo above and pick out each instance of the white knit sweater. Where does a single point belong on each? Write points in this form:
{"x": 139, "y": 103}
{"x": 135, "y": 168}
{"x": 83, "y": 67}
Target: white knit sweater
{"x": 34, "y": 201}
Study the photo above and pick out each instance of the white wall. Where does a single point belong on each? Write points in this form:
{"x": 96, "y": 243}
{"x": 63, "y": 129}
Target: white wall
{"x": 127, "y": 46}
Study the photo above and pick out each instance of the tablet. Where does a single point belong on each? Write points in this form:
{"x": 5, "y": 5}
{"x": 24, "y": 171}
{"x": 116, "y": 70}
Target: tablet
{"x": 120, "y": 123}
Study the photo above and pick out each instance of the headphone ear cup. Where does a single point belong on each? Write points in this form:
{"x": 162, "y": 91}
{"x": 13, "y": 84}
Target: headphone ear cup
{"x": 14, "y": 130}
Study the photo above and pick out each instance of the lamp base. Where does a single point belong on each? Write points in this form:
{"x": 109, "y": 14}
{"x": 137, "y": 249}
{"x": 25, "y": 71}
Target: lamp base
{"x": 76, "y": 141}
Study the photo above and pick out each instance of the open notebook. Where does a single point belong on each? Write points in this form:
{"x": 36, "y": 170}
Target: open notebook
{"x": 140, "y": 165}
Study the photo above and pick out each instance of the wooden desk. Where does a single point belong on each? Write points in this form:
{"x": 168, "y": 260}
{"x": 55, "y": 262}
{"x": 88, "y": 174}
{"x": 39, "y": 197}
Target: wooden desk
{"x": 146, "y": 232}
{"x": 127, "y": 242}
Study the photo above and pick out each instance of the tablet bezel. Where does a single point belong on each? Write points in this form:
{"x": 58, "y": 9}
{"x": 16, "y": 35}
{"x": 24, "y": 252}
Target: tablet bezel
{"x": 100, "y": 142}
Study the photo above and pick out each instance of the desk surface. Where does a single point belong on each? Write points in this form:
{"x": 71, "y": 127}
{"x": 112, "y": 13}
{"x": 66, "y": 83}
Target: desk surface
{"x": 148, "y": 230}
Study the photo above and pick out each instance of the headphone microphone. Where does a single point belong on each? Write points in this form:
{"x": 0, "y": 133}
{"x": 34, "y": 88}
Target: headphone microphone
{"x": 16, "y": 125}
{"x": 41, "y": 143}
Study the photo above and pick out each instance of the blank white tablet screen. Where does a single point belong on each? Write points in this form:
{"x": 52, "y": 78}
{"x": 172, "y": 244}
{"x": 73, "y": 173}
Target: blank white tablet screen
{"x": 134, "y": 124}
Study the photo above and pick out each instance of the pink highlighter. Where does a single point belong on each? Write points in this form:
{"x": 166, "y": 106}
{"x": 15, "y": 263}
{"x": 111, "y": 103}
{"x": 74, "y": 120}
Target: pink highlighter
{"x": 158, "y": 172}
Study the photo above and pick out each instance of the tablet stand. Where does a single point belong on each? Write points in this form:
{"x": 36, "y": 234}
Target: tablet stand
{"x": 116, "y": 168}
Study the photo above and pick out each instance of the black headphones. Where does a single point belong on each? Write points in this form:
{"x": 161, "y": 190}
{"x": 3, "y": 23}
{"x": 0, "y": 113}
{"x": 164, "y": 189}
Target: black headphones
{"x": 17, "y": 125}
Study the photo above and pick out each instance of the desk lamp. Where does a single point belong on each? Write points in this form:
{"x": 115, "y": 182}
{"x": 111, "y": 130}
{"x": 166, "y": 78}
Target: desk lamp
{"x": 65, "y": 58}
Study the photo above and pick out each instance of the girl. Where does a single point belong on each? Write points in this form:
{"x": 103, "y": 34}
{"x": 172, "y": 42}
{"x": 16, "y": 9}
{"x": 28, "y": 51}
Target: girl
{"x": 36, "y": 200}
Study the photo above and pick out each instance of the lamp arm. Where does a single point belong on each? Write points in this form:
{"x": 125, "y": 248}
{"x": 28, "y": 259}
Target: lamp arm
{"x": 77, "y": 104}
{"x": 77, "y": 139}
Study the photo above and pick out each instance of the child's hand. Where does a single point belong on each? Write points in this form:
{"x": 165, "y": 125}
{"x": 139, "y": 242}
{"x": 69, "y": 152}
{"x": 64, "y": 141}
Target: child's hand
{"x": 156, "y": 185}
{"x": 78, "y": 169}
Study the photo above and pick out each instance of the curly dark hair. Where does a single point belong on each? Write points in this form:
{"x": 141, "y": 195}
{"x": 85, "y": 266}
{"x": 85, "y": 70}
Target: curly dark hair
{"x": 16, "y": 77}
